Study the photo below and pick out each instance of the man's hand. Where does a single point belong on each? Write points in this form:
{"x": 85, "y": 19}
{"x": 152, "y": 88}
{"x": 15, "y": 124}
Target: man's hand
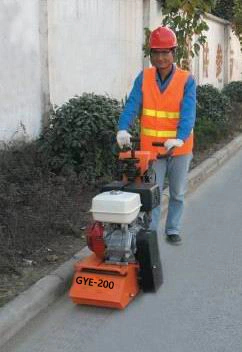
{"x": 123, "y": 138}
{"x": 171, "y": 143}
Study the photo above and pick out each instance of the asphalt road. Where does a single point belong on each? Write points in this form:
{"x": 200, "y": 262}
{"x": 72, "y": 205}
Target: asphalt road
{"x": 199, "y": 306}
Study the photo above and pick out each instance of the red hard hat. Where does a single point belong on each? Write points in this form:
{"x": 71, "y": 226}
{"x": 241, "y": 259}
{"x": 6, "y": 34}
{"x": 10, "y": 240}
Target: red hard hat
{"x": 162, "y": 38}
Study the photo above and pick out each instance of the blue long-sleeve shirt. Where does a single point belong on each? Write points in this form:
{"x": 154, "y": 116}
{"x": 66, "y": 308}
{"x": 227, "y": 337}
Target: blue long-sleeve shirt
{"x": 133, "y": 105}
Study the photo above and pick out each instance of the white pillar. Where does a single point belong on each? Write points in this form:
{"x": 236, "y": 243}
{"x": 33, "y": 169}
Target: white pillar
{"x": 152, "y": 17}
{"x": 44, "y": 62}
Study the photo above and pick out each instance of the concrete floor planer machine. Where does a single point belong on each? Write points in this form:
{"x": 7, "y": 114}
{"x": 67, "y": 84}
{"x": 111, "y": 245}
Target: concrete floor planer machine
{"x": 125, "y": 255}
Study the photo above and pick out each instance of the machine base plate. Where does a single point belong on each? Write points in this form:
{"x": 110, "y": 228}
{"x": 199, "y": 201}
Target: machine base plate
{"x": 106, "y": 285}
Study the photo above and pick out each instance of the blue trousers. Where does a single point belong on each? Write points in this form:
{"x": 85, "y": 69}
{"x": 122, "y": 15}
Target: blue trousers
{"x": 176, "y": 168}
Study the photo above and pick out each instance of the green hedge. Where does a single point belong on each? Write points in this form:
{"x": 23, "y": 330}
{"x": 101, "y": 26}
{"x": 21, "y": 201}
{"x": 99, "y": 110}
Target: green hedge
{"x": 81, "y": 136}
{"x": 233, "y": 90}
{"x": 213, "y": 116}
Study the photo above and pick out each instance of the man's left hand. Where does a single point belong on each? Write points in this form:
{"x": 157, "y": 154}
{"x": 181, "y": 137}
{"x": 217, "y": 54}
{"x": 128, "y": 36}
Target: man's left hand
{"x": 171, "y": 143}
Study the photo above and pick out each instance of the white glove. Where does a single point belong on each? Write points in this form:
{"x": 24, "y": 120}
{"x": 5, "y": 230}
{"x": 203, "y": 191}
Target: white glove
{"x": 171, "y": 143}
{"x": 123, "y": 138}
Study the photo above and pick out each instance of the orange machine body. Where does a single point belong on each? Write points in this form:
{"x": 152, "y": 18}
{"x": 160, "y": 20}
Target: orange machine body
{"x": 102, "y": 284}
{"x": 144, "y": 159}
{"x": 105, "y": 285}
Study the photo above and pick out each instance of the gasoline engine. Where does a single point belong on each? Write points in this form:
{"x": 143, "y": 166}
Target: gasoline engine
{"x": 125, "y": 255}
{"x": 119, "y": 216}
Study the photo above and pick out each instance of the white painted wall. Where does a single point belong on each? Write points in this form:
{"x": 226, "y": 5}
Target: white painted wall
{"x": 56, "y": 49}
{"x": 219, "y": 33}
{"x": 155, "y": 14}
{"x": 152, "y": 19}
{"x": 215, "y": 38}
{"x": 94, "y": 46}
{"x": 20, "y": 109}
{"x": 235, "y": 58}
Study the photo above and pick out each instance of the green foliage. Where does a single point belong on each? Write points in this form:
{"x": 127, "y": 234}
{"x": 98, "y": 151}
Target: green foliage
{"x": 146, "y": 49}
{"x": 185, "y": 25}
{"x": 233, "y": 90}
{"x": 231, "y": 11}
{"x": 237, "y": 20}
{"x": 188, "y": 6}
{"x": 213, "y": 116}
{"x": 81, "y": 136}
{"x": 224, "y": 9}
{"x": 185, "y": 18}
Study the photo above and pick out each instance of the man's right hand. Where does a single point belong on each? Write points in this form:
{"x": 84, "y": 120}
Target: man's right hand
{"x": 123, "y": 138}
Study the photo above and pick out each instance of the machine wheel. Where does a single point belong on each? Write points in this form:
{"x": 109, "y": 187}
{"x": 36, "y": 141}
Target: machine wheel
{"x": 148, "y": 257}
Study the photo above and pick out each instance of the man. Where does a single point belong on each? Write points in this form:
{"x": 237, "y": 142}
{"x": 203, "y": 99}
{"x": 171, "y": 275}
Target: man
{"x": 167, "y": 97}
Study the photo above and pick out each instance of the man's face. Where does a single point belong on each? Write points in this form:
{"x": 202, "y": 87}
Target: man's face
{"x": 161, "y": 58}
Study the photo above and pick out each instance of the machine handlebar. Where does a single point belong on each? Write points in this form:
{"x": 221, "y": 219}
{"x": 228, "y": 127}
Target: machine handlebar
{"x": 158, "y": 144}
{"x": 134, "y": 139}
{"x": 155, "y": 144}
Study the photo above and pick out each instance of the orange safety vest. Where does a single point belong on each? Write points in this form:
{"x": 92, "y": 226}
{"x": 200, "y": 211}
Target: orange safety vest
{"x": 161, "y": 112}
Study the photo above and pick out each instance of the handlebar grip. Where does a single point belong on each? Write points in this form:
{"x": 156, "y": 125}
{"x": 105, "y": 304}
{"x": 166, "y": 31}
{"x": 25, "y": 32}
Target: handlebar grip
{"x": 158, "y": 144}
{"x": 134, "y": 139}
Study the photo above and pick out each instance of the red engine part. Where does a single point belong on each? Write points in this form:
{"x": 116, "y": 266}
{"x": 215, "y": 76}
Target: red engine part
{"x": 95, "y": 239}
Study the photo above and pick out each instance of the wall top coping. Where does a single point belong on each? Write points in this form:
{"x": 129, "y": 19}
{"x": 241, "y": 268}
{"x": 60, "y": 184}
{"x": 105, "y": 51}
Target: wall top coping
{"x": 216, "y": 19}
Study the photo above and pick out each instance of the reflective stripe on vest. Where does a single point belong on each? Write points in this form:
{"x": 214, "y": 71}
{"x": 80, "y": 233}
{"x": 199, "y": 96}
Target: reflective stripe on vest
{"x": 161, "y": 114}
{"x": 154, "y": 133}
